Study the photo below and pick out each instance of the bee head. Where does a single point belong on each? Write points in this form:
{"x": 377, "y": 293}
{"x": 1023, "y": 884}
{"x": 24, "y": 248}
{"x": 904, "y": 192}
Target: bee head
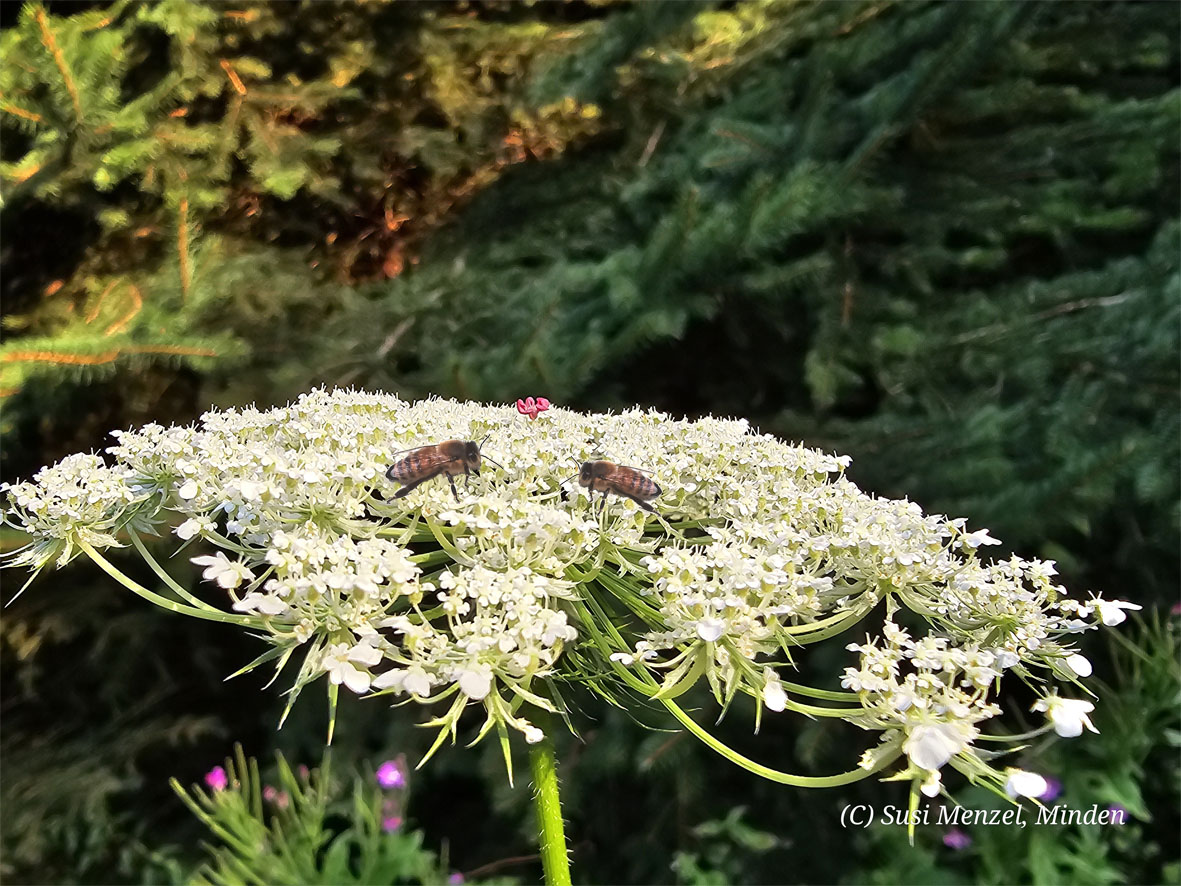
{"x": 471, "y": 455}
{"x": 586, "y": 474}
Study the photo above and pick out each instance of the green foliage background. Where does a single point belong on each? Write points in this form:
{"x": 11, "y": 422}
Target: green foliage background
{"x": 942, "y": 238}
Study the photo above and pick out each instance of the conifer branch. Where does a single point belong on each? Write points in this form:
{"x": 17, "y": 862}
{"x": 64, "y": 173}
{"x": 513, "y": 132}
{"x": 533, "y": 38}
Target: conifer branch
{"x": 104, "y": 357}
{"x": 59, "y": 59}
{"x": 182, "y": 246}
{"x": 138, "y": 302}
{"x": 233, "y": 75}
{"x": 17, "y": 111}
{"x": 93, "y": 313}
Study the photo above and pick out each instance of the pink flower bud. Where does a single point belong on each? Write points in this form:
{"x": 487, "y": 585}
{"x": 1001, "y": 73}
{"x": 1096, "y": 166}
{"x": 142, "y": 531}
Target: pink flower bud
{"x": 532, "y": 407}
{"x": 216, "y": 778}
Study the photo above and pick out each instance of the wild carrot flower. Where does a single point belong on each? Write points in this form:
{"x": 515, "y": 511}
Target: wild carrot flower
{"x": 758, "y": 549}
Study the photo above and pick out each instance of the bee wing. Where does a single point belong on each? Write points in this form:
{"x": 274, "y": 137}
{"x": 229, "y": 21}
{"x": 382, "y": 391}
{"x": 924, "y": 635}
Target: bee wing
{"x": 411, "y": 449}
{"x": 424, "y": 461}
{"x": 429, "y": 458}
{"x": 641, "y": 470}
{"x": 631, "y": 482}
{"x": 619, "y": 475}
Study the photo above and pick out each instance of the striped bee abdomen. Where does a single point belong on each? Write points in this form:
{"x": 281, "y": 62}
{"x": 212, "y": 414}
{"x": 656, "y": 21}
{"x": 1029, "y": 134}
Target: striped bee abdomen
{"x": 641, "y": 487}
{"x": 417, "y": 465}
{"x": 404, "y": 468}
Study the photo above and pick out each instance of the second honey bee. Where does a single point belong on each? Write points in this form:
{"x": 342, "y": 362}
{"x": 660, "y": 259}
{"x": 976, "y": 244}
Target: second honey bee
{"x": 608, "y": 477}
{"x": 449, "y": 458}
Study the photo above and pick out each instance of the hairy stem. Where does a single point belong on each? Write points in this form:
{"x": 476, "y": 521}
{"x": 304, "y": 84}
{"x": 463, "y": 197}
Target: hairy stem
{"x": 554, "y": 860}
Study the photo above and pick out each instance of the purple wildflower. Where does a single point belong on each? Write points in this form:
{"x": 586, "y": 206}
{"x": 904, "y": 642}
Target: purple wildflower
{"x": 455, "y": 878}
{"x": 390, "y": 775}
{"x": 391, "y": 823}
{"x": 957, "y": 840}
{"x": 1052, "y": 791}
{"x": 1117, "y": 814}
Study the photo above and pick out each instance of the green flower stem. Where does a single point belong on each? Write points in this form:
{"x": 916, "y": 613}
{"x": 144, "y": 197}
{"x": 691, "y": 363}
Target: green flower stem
{"x": 847, "y": 621}
{"x": 649, "y": 687}
{"x": 826, "y": 694}
{"x": 430, "y": 558}
{"x": 799, "y": 781}
{"x": 164, "y": 576}
{"x": 1042, "y": 730}
{"x": 440, "y": 535}
{"x": 163, "y": 602}
{"x": 228, "y": 543}
{"x": 554, "y": 860}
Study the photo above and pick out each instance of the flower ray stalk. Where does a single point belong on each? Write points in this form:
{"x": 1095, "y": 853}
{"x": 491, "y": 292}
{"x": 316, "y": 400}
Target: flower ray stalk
{"x": 163, "y": 602}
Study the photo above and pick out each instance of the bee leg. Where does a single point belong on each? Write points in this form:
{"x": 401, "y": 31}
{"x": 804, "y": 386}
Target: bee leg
{"x": 643, "y": 504}
{"x": 407, "y": 489}
{"x": 451, "y": 480}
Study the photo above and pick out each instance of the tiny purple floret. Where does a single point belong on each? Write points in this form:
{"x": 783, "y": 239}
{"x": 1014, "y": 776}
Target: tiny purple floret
{"x": 390, "y": 775}
{"x": 957, "y": 840}
{"x": 455, "y": 878}
{"x": 391, "y": 823}
{"x": 1118, "y": 814}
{"x": 1052, "y": 791}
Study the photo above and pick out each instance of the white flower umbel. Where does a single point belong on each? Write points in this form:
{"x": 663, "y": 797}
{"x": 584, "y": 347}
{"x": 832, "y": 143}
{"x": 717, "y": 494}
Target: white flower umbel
{"x": 757, "y": 550}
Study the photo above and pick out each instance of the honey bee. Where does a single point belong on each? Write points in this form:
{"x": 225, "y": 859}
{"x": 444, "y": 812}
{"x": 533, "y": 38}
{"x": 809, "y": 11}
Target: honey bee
{"x": 608, "y": 477}
{"x": 450, "y": 458}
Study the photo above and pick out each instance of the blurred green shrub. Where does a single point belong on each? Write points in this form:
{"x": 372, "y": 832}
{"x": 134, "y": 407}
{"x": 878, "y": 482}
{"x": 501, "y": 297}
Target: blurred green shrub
{"x": 307, "y": 828}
